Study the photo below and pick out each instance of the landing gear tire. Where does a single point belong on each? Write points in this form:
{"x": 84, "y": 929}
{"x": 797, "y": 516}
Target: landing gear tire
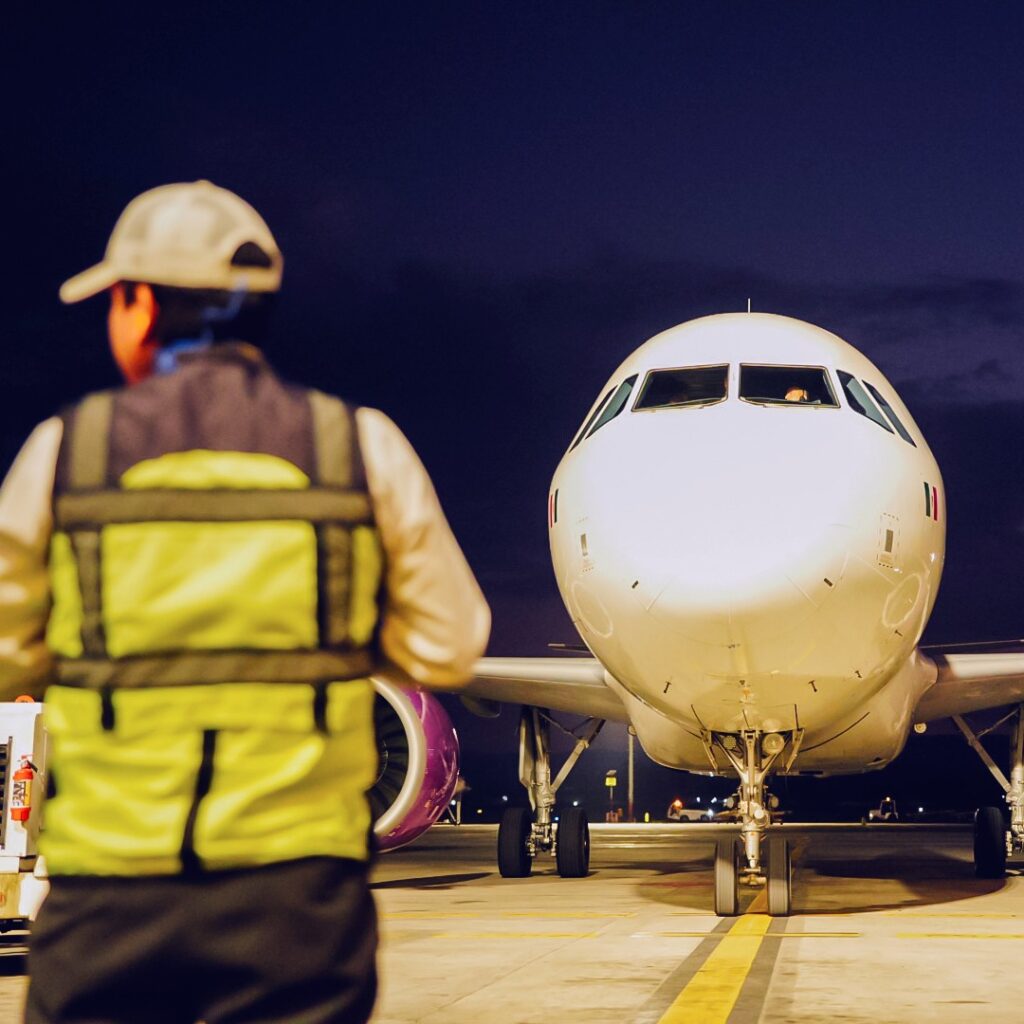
{"x": 989, "y": 843}
{"x": 514, "y": 860}
{"x": 727, "y": 897}
{"x": 780, "y": 877}
{"x": 572, "y": 848}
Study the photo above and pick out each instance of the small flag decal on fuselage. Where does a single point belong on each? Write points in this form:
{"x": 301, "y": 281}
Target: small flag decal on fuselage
{"x": 931, "y": 502}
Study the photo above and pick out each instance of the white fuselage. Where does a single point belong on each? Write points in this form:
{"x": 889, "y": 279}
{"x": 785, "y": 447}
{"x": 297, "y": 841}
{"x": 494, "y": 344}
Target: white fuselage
{"x": 745, "y": 565}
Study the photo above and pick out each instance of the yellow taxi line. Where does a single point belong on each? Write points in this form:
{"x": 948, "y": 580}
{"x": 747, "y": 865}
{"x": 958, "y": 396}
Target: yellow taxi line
{"x": 712, "y": 992}
{"x": 515, "y": 935}
{"x": 570, "y": 914}
{"x": 950, "y": 914}
{"x": 771, "y": 935}
{"x": 426, "y": 915}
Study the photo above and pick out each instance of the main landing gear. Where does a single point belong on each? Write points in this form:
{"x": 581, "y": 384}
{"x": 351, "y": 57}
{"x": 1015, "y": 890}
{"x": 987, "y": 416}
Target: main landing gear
{"x": 753, "y": 858}
{"x": 523, "y": 835}
{"x": 993, "y": 842}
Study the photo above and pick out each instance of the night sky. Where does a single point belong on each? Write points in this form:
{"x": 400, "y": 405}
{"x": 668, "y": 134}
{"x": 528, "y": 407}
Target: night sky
{"x": 485, "y": 206}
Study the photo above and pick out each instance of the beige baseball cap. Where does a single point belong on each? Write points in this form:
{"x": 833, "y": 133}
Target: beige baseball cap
{"x": 188, "y": 235}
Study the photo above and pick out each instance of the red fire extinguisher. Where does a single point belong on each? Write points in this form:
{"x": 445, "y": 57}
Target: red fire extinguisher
{"x": 21, "y": 790}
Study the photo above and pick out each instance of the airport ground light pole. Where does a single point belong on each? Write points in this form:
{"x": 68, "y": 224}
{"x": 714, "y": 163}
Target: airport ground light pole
{"x": 611, "y": 780}
{"x": 630, "y": 805}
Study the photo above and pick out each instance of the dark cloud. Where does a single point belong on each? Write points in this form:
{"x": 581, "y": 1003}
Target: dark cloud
{"x": 989, "y": 377}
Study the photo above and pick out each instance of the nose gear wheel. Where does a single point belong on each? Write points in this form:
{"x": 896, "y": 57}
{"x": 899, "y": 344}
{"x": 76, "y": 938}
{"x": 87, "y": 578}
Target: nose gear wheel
{"x": 752, "y": 754}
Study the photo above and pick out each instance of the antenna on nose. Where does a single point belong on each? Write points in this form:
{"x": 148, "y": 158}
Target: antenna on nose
{"x": 748, "y": 305}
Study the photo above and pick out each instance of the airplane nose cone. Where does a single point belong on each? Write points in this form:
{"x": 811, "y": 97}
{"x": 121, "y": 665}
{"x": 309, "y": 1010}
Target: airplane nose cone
{"x": 748, "y": 563}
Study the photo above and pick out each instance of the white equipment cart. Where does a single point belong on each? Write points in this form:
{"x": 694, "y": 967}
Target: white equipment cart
{"x": 22, "y": 790}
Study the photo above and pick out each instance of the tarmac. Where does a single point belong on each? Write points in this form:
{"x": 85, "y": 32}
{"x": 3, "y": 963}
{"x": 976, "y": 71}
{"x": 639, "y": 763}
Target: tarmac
{"x": 889, "y": 925}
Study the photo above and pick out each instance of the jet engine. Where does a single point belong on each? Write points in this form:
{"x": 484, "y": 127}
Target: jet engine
{"x": 418, "y": 767}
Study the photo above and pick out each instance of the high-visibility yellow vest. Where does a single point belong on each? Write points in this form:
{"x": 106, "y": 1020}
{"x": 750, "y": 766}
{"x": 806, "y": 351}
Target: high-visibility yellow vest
{"x": 215, "y": 573}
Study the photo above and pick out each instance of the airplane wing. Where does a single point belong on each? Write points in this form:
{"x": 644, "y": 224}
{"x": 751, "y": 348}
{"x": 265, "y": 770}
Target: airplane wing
{"x": 573, "y": 685}
{"x": 972, "y": 677}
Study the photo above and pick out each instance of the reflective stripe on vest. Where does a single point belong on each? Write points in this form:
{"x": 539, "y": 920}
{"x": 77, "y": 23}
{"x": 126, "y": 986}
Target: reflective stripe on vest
{"x": 264, "y": 528}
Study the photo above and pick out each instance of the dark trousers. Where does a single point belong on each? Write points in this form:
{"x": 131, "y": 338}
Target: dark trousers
{"x": 288, "y": 942}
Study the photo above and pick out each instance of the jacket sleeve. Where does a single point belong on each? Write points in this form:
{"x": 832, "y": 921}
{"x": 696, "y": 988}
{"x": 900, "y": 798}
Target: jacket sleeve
{"x": 435, "y": 620}
{"x": 26, "y": 521}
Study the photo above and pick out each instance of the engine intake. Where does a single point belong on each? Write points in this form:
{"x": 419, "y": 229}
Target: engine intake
{"x": 418, "y": 754}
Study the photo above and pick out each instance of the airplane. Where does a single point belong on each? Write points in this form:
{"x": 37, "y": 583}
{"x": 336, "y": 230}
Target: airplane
{"x": 748, "y": 532}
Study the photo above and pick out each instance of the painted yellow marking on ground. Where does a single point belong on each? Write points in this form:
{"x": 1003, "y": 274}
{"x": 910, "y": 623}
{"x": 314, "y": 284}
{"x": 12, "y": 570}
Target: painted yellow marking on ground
{"x": 772, "y": 935}
{"x": 569, "y": 914}
{"x": 959, "y": 935}
{"x": 759, "y": 904}
{"x": 429, "y": 915}
{"x": 712, "y": 992}
{"x": 514, "y": 935}
{"x": 951, "y": 913}
{"x": 418, "y": 915}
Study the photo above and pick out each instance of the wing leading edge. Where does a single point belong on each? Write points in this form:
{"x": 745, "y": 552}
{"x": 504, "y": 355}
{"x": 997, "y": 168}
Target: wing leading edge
{"x": 972, "y": 677}
{"x": 969, "y": 677}
{"x": 573, "y": 685}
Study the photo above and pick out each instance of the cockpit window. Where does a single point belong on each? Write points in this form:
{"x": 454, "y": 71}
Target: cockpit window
{"x": 860, "y": 401}
{"x": 687, "y": 386}
{"x": 590, "y": 419}
{"x": 615, "y": 406}
{"x": 891, "y": 413}
{"x": 786, "y": 385}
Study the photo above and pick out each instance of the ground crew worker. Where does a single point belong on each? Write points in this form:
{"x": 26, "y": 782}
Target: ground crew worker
{"x": 201, "y": 571}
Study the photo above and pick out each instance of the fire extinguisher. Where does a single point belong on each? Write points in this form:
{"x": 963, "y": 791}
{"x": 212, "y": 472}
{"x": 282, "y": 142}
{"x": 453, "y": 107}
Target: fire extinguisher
{"x": 21, "y": 791}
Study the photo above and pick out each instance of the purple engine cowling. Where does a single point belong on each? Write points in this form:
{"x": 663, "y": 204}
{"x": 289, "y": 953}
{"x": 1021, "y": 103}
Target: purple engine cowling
{"x": 419, "y": 763}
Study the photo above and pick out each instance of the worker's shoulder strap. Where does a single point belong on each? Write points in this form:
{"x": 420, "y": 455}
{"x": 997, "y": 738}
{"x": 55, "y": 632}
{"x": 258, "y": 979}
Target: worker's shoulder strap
{"x": 338, "y": 456}
{"x": 339, "y": 459}
{"x": 89, "y": 442}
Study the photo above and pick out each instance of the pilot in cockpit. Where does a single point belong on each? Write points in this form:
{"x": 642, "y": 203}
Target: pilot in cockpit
{"x": 795, "y": 393}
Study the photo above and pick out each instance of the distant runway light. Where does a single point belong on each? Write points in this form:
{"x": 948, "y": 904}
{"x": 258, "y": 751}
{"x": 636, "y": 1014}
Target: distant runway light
{"x": 505, "y": 798}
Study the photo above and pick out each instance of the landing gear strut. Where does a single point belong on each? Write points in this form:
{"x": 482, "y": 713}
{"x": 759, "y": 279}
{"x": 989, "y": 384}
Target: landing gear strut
{"x": 993, "y": 842}
{"x": 752, "y": 754}
{"x": 522, "y": 836}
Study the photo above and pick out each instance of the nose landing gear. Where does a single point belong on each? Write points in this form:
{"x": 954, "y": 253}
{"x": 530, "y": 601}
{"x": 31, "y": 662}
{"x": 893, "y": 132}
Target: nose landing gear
{"x": 522, "y": 836}
{"x": 752, "y": 755}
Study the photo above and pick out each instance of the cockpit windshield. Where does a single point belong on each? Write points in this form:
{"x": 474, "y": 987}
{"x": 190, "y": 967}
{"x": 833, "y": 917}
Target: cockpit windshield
{"x": 786, "y": 385}
{"x": 615, "y": 405}
{"x": 891, "y": 413}
{"x": 590, "y": 420}
{"x": 687, "y": 386}
{"x": 859, "y": 400}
